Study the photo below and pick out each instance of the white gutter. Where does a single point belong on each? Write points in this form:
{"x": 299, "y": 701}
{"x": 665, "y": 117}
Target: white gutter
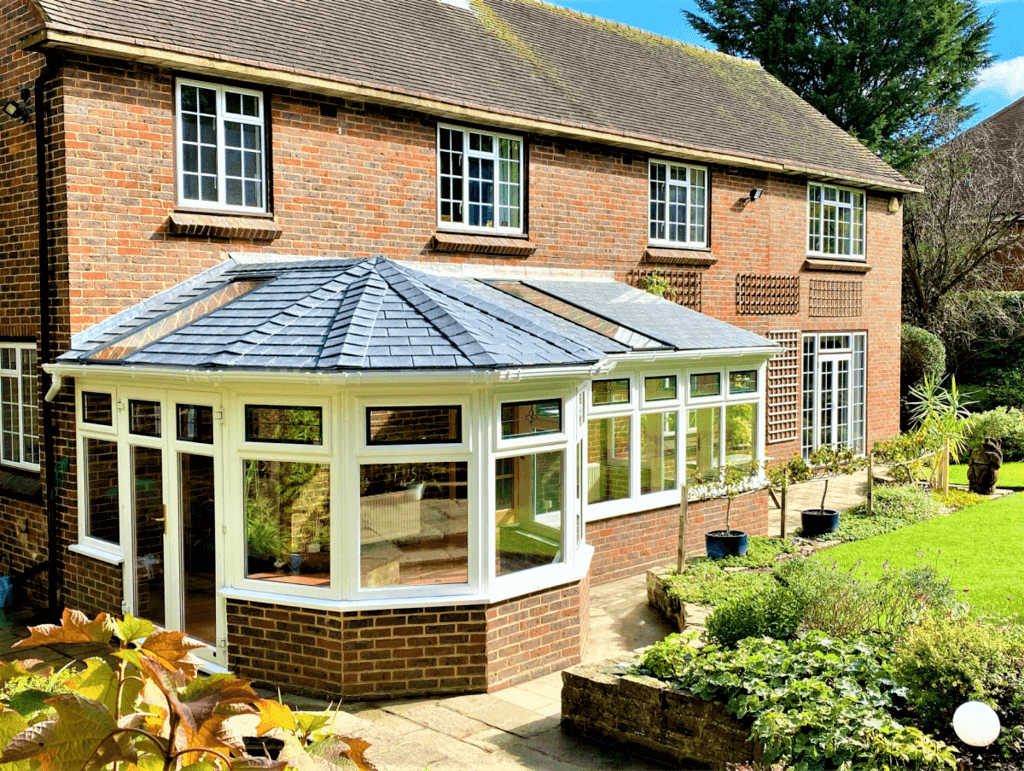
{"x": 56, "y": 381}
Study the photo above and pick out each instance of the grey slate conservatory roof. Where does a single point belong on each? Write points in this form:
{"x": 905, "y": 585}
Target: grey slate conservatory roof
{"x": 375, "y": 314}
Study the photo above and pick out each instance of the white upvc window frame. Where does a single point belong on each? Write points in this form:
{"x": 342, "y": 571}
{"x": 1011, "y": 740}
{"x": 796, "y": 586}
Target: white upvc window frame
{"x": 260, "y": 120}
{"x": 519, "y": 187}
{"x": 723, "y": 384}
{"x": 811, "y": 355}
{"x": 97, "y": 547}
{"x": 815, "y": 231}
{"x": 695, "y": 233}
{"x": 19, "y": 374}
{"x": 660, "y": 407}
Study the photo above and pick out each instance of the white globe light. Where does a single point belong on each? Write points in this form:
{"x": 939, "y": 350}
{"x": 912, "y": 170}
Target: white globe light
{"x": 976, "y": 724}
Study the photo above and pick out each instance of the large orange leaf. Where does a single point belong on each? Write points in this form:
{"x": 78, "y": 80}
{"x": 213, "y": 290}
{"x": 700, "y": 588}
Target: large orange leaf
{"x": 74, "y": 627}
{"x": 173, "y": 651}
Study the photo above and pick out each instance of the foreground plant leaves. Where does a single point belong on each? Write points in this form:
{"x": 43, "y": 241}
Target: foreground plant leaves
{"x": 12, "y": 724}
{"x": 75, "y": 627}
{"x": 173, "y": 651}
{"x": 67, "y": 740}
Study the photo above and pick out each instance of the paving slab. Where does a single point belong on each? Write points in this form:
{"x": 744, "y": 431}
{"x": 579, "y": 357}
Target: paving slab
{"x": 431, "y": 715}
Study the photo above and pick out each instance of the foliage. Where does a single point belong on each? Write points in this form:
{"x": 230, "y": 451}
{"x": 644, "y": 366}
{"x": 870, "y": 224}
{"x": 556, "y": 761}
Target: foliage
{"x": 704, "y": 583}
{"x": 955, "y": 499}
{"x": 1007, "y": 389}
{"x": 832, "y": 461}
{"x": 762, "y": 552}
{"x": 263, "y": 533}
{"x": 944, "y": 661}
{"x": 958, "y": 243}
{"x": 792, "y": 471}
{"x": 905, "y": 454}
{"x": 816, "y": 702}
{"x": 1002, "y": 423}
{"x": 143, "y": 707}
{"x": 886, "y": 72}
{"x": 893, "y": 507}
{"x": 728, "y": 482}
{"x": 774, "y": 613}
{"x": 921, "y": 354}
{"x": 656, "y": 284}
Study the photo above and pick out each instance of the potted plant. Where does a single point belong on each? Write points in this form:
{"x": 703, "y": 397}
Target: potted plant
{"x": 264, "y": 539}
{"x": 729, "y": 483}
{"x": 828, "y": 461}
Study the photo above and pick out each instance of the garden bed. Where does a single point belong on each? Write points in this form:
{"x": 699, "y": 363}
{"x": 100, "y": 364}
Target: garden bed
{"x": 603, "y": 702}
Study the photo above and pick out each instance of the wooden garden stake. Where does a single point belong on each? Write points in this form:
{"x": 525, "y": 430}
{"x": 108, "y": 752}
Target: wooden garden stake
{"x": 871, "y": 483}
{"x": 782, "y": 507}
{"x": 945, "y": 466}
{"x": 683, "y": 505}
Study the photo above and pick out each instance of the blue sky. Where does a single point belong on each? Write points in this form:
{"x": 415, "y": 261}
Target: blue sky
{"x": 998, "y": 86}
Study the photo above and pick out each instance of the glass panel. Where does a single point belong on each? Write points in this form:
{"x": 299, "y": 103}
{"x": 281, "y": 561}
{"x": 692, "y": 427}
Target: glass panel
{"x": 857, "y": 434}
{"x": 101, "y": 516}
{"x": 11, "y": 427}
{"x": 577, "y": 315}
{"x": 199, "y": 554}
{"x": 608, "y": 441}
{"x": 703, "y": 442}
{"x": 414, "y": 523}
{"x": 707, "y": 384}
{"x": 528, "y": 511}
{"x": 232, "y": 102}
{"x": 162, "y": 327}
{"x": 842, "y": 401}
{"x": 148, "y": 523}
{"x": 825, "y": 407}
{"x": 657, "y": 452}
{"x": 743, "y": 382}
{"x": 144, "y": 418}
{"x": 97, "y": 408}
{"x": 29, "y": 407}
{"x": 531, "y": 418}
{"x": 610, "y": 392}
{"x": 287, "y": 522}
{"x": 283, "y": 425}
{"x": 579, "y": 492}
{"x": 740, "y": 430}
{"x": 807, "y": 408}
{"x": 414, "y": 425}
{"x": 657, "y": 389}
{"x": 195, "y": 423}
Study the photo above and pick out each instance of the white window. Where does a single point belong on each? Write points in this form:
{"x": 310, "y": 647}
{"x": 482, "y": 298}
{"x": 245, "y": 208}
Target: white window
{"x": 835, "y": 221}
{"x": 678, "y": 204}
{"x": 221, "y": 140}
{"x": 833, "y": 408}
{"x": 19, "y": 405}
{"x": 479, "y": 180}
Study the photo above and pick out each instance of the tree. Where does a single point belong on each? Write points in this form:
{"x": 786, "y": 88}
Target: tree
{"x": 963, "y": 240}
{"x": 887, "y": 71}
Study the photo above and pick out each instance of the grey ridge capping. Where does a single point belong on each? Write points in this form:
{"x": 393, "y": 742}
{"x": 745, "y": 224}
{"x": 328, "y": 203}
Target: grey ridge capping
{"x": 523, "y": 59}
{"x": 375, "y": 314}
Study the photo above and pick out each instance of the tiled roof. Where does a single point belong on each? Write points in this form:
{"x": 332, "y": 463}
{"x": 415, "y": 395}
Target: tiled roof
{"x": 515, "y": 57}
{"x": 374, "y": 314}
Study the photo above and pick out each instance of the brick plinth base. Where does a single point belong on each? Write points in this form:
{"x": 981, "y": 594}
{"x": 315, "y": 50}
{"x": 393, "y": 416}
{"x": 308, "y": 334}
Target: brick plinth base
{"x": 627, "y": 545}
{"x": 386, "y": 654}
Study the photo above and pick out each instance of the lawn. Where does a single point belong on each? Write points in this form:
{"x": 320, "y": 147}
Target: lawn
{"x": 1010, "y": 475}
{"x": 978, "y": 548}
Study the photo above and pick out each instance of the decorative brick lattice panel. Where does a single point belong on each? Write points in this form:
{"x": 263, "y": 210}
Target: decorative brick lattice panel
{"x": 783, "y": 422}
{"x": 836, "y": 298}
{"x": 684, "y": 285}
{"x": 767, "y": 295}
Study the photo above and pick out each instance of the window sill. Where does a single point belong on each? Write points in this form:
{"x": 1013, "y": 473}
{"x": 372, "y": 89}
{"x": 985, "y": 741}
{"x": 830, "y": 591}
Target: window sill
{"x": 472, "y": 244}
{"x": 223, "y": 226}
{"x": 21, "y": 484}
{"x": 835, "y": 266}
{"x": 97, "y": 554}
{"x": 678, "y": 255}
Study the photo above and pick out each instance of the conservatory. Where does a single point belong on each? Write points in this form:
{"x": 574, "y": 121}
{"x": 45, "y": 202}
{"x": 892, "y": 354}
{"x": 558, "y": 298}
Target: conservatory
{"x": 283, "y": 453}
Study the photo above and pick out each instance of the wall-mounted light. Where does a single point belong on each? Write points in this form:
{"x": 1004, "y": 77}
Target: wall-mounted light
{"x": 19, "y": 110}
{"x": 754, "y": 194}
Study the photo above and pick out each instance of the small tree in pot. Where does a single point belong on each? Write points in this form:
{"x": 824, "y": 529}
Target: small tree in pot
{"x": 828, "y": 461}
{"x": 729, "y": 483}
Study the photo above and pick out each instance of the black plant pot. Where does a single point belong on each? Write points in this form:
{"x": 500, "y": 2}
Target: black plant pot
{"x": 725, "y": 543}
{"x": 819, "y": 521}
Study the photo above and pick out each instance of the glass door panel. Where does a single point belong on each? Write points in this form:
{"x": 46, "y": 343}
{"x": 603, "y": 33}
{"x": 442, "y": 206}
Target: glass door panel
{"x": 198, "y": 554}
{"x": 148, "y": 521}
{"x": 827, "y": 402}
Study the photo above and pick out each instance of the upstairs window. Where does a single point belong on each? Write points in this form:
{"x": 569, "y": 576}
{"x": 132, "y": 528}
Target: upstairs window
{"x": 480, "y": 183}
{"x": 19, "y": 406}
{"x": 678, "y": 204}
{"x": 835, "y": 221}
{"x": 221, "y": 147}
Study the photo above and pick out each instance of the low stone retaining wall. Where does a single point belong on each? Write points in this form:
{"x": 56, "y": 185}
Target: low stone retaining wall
{"x": 671, "y": 608}
{"x": 601, "y": 703}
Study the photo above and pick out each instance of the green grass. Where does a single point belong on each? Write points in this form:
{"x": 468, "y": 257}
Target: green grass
{"x": 978, "y": 548}
{"x": 1010, "y": 475}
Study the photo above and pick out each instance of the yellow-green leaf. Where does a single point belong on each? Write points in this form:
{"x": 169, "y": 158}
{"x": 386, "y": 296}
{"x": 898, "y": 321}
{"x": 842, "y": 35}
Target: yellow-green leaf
{"x": 274, "y": 714}
{"x": 132, "y": 629}
{"x": 11, "y": 670}
{"x": 12, "y": 724}
{"x": 97, "y": 681}
{"x": 311, "y": 721}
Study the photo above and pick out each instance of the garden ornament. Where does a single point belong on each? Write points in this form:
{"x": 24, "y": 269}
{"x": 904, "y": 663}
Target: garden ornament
{"x": 983, "y": 473}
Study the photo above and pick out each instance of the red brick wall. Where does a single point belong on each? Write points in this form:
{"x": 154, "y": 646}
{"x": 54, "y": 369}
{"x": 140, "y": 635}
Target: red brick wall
{"x": 627, "y": 545}
{"x": 92, "y": 586}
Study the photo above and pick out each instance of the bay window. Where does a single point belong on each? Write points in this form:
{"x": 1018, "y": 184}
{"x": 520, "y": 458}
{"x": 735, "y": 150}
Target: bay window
{"x": 480, "y": 180}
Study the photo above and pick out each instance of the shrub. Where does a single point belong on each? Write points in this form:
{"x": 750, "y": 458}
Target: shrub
{"x": 1006, "y": 425}
{"x": 955, "y": 499}
{"x": 946, "y": 660}
{"x": 704, "y": 583}
{"x": 894, "y": 508}
{"x": 762, "y": 552}
{"x": 922, "y": 355}
{"x": 775, "y": 613}
{"x": 815, "y": 703}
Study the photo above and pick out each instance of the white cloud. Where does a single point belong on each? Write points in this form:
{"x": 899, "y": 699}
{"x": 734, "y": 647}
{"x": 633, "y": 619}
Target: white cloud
{"x": 1005, "y": 77}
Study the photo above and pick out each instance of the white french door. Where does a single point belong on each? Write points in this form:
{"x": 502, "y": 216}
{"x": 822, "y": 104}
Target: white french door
{"x": 833, "y": 412}
{"x": 172, "y": 570}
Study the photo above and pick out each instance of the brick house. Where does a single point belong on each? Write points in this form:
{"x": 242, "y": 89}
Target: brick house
{"x": 318, "y": 342}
